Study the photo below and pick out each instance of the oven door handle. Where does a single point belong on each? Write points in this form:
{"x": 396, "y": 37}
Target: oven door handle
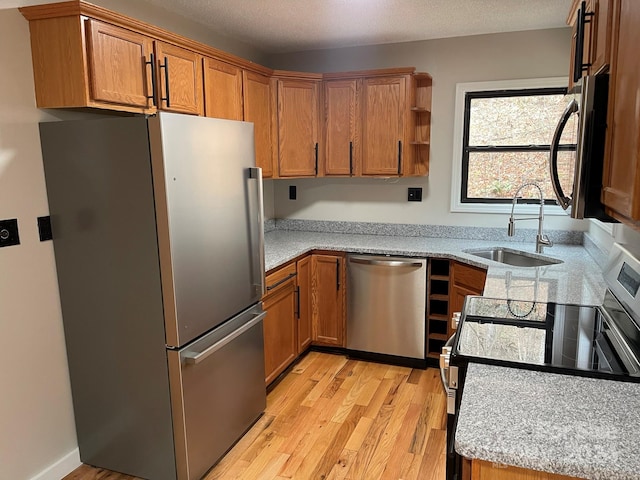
{"x": 444, "y": 362}
{"x": 563, "y": 200}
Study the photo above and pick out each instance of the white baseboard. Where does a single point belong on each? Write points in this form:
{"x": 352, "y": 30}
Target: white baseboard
{"x": 61, "y": 468}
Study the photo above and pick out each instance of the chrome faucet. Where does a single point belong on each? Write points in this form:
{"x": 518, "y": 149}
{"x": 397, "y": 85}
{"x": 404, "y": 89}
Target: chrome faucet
{"x": 541, "y": 239}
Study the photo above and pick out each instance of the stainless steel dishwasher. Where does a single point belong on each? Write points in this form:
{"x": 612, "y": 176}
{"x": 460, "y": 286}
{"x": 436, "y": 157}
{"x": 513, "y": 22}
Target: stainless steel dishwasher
{"x": 386, "y": 305}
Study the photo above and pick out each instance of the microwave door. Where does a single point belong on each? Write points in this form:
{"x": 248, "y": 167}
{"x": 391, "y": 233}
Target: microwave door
{"x": 564, "y": 200}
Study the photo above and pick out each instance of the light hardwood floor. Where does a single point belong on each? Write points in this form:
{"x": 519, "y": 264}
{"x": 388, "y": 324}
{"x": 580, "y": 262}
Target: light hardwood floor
{"x": 336, "y": 418}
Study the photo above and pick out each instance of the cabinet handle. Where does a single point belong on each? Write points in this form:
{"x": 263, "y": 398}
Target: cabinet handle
{"x": 337, "y": 274}
{"x": 166, "y": 82}
{"x": 152, "y": 63}
{"x": 350, "y": 158}
{"x": 399, "y": 157}
{"x": 298, "y": 302}
{"x": 578, "y": 66}
{"x": 280, "y": 282}
{"x": 316, "y": 150}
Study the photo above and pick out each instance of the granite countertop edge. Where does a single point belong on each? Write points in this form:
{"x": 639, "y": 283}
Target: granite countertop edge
{"x": 566, "y": 431}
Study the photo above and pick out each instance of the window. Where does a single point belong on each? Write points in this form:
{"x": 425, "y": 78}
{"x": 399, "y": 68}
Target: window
{"x": 503, "y": 133}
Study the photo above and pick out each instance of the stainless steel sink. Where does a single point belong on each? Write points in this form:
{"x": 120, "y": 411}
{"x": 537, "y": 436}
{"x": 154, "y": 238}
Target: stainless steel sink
{"x": 516, "y": 258}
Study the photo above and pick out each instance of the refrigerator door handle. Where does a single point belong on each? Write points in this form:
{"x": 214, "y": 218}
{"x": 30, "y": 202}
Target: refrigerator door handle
{"x": 193, "y": 358}
{"x": 255, "y": 173}
{"x": 563, "y": 200}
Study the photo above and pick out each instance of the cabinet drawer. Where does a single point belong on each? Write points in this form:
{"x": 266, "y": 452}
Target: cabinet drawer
{"x": 470, "y": 277}
{"x": 279, "y": 279}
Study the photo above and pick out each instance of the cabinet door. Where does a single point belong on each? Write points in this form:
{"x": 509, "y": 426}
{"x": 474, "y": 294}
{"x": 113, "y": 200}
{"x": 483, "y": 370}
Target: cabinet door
{"x": 328, "y": 299}
{"x": 304, "y": 303}
{"x": 179, "y": 79}
{"x": 586, "y": 39}
{"x": 222, "y": 90}
{"x": 465, "y": 280}
{"x": 621, "y": 179}
{"x": 116, "y": 61}
{"x": 383, "y": 125}
{"x": 297, "y": 128}
{"x": 280, "y": 345}
{"x": 601, "y": 34}
{"x": 341, "y": 120}
{"x": 257, "y": 109}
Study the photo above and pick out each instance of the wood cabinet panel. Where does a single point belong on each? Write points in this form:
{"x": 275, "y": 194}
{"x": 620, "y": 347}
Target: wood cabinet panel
{"x": 465, "y": 280}
{"x": 297, "y": 128}
{"x": 621, "y": 182}
{"x": 341, "y": 125}
{"x": 383, "y": 125}
{"x": 222, "y": 90}
{"x": 328, "y": 299}
{"x": 179, "y": 79}
{"x": 257, "y": 106}
{"x": 303, "y": 268}
{"x": 116, "y": 60}
{"x": 601, "y": 34}
{"x": 280, "y": 341}
{"x": 481, "y": 470}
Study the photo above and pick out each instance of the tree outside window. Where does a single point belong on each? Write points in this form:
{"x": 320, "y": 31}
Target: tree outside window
{"x": 506, "y": 142}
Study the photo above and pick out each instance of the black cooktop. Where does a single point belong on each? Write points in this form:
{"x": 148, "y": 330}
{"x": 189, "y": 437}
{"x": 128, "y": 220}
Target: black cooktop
{"x": 598, "y": 341}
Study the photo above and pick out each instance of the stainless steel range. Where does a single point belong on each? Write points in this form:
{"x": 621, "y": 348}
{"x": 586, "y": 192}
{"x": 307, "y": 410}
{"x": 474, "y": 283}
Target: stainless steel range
{"x": 596, "y": 341}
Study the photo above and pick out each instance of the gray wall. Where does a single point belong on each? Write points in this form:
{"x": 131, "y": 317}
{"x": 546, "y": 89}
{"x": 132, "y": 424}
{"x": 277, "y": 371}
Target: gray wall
{"x": 507, "y": 56}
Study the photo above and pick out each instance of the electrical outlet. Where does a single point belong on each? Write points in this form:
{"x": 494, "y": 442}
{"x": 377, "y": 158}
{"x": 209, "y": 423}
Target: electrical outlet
{"x": 414, "y": 195}
{"x": 44, "y": 228}
{"x": 9, "y": 232}
{"x": 293, "y": 194}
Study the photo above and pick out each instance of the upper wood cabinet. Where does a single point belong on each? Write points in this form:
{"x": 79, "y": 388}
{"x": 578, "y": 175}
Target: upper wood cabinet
{"x": 297, "y": 127}
{"x": 179, "y": 77}
{"x": 86, "y": 63}
{"x": 257, "y": 104}
{"x": 328, "y": 299}
{"x": 341, "y": 128}
{"x": 591, "y": 21}
{"x": 120, "y": 65}
{"x": 222, "y": 90}
{"x": 383, "y": 125}
{"x": 621, "y": 176}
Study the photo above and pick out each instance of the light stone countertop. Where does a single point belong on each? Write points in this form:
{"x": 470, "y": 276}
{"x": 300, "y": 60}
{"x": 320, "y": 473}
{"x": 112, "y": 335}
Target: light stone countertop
{"x": 582, "y": 427}
{"x": 577, "y": 280}
{"x": 569, "y": 425}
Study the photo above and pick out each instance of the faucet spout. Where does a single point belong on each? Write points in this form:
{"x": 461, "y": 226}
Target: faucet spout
{"x": 542, "y": 240}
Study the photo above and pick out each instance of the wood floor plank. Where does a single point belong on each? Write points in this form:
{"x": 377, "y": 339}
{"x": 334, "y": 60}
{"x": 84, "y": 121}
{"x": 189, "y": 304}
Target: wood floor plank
{"x": 334, "y": 418}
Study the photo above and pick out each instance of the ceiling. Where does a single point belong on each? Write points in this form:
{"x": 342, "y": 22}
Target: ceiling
{"x": 277, "y": 26}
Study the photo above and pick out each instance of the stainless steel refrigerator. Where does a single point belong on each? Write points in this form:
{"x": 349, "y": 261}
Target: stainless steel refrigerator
{"x": 158, "y": 238}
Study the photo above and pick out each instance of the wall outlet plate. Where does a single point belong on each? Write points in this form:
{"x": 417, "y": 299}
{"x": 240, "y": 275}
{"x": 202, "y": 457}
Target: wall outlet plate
{"x": 293, "y": 194}
{"x": 9, "y": 232}
{"x": 414, "y": 195}
{"x": 44, "y": 228}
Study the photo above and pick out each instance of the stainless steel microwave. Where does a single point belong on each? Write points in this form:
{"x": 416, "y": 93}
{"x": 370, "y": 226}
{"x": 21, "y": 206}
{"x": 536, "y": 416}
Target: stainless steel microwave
{"x": 589, "y": 102}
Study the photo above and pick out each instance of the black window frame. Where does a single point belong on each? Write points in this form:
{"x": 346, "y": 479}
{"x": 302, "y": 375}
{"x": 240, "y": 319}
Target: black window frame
{"x": 466, "y": 149}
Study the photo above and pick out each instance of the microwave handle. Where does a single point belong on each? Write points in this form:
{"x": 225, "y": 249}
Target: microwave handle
{"x": 563, "y": 200}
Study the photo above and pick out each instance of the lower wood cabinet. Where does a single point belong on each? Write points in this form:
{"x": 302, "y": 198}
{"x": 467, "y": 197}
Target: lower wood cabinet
{"x": 280, "y": 340}
{"x": 328, "y": 299}
{"x": 465, "y": 280}
{"x": 303, "y": 291}
{"x": 481, "y": 470}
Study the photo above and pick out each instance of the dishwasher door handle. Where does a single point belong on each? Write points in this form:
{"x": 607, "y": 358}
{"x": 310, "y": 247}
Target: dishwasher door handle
{"x": 386, "y": 263}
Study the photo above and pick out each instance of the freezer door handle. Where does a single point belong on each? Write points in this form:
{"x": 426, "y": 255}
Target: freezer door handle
{"x": 193, "y": 358}
{"x": 385, "y": 263}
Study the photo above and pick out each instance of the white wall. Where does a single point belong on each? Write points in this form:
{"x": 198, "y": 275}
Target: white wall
{"x": 532, "y": 54}
{"x": 36, "y": 415}
{"x": 37, "y": 431}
